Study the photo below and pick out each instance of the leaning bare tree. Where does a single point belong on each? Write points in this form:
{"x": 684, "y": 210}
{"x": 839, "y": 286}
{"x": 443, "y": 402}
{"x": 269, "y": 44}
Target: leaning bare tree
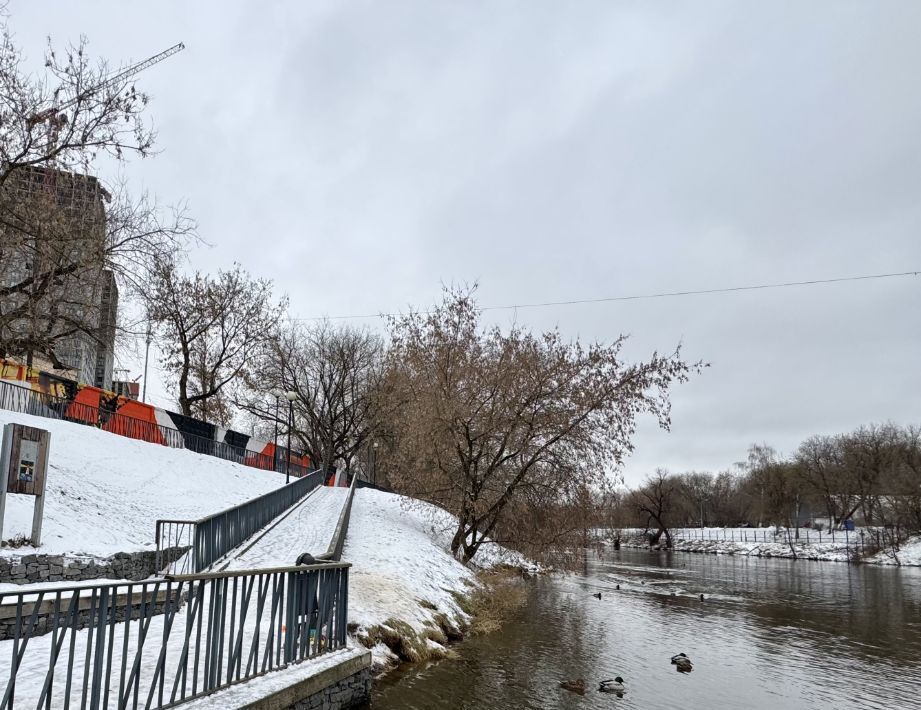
{"x": 483, "y": 418}
{"x": 63, "y": 230}
{"x": 656, "y": 501}
{"x": 211, "y": 330}
{"x": 334, "y": 373}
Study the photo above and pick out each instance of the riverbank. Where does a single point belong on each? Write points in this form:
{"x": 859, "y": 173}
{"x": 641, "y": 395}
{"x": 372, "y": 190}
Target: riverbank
{"x": 408, "y": 597}
{"x": 908, "y": 554}
{"x": 769, "y": 633}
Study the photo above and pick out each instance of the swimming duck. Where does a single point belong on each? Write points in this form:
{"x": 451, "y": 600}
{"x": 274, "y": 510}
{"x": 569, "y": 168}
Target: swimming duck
{"x": 683, "y": 663}
{"x": 574, "y": 686}
{"x": 597, "y": 595}
{"x": 612, "y": 686}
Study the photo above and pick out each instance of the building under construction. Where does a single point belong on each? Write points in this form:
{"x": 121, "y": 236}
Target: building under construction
{"x": 58, "y": 302}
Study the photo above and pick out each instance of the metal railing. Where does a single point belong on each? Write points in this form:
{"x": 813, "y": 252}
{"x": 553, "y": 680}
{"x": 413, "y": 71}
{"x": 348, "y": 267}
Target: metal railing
{"x": 212, "y": 537}
{"x": 39, "y": 404}
{"x": 334, "y": 552}
{"x": 162, "y": 642}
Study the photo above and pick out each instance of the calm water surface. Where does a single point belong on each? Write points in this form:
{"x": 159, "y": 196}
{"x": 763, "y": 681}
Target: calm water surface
{"x": 770, "y": 634}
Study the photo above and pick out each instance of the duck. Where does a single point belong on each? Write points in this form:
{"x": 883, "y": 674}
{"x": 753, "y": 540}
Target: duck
{"x": 574, "y": 686}
{"x": 618, "y": 587}
{"x": 612, "y": 686}
{"x": 701, "y": 597}
{"x": 597, "y": 595}
{"x": 683, "y": 663}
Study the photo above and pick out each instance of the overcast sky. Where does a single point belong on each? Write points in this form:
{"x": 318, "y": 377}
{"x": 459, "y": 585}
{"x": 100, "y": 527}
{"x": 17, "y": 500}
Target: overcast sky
{"x": 360, "y": 154}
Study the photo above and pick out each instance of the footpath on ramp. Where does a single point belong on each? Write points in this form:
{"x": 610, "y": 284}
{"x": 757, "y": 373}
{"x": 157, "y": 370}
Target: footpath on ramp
{"x": 308, "y": 526}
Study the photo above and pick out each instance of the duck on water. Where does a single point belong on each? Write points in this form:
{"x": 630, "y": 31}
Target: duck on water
{"x": 615, "y": 685}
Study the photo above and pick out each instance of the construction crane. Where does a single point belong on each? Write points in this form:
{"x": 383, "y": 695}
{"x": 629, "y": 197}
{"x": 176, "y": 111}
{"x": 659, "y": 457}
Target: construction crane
{"x": 53, "y": 114}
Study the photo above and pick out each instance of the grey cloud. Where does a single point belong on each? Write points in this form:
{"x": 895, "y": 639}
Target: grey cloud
{"x": 362, "y": 153}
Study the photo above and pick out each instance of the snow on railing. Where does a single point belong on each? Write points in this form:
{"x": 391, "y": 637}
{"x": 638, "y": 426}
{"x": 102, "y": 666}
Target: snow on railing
{"x": 161, "y": 642}
{"x": 213, "y": 536}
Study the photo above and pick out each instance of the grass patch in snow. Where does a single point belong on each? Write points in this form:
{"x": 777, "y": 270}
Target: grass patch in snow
{"x": 399, "y": 637}
{"x": 408, "y": 596}
{"x": 485, "y": 609}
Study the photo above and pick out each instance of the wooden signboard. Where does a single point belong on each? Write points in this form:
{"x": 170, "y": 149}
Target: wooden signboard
{"x": 28, "y": 461}
{"x": 23, "y": 465}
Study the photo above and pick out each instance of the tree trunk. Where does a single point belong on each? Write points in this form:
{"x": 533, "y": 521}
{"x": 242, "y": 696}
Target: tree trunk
{"x": 458, "y": 539}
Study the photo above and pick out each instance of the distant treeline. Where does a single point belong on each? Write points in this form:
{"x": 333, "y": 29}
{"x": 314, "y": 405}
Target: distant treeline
{"x": 871, "y": 475}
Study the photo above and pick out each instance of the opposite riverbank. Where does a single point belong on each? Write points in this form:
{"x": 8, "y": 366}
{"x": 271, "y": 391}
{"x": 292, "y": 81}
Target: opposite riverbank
{"x": 907, "y": 555}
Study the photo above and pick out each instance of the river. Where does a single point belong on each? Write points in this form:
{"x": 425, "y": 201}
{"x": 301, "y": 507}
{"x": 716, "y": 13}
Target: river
{"x": 768, "y": 634}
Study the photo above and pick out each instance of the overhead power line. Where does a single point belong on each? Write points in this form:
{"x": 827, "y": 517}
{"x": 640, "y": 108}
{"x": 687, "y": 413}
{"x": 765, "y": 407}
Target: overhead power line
{"x": 647, "y": 296}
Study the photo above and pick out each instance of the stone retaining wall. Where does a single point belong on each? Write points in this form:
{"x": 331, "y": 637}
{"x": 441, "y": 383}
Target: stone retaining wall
{"x": 30, "y": 569}
{"x": 343, "y": 685}
{"x": 351, "y": 692}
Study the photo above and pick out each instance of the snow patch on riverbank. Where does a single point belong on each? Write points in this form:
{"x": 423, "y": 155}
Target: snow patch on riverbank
{"x": 403, "y": 575}
{"x": 909, "y": 553}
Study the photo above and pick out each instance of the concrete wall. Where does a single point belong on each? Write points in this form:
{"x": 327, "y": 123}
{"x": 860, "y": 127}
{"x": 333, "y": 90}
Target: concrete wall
{"x": 30, "y": 569}
{"x": 340, "y": 687}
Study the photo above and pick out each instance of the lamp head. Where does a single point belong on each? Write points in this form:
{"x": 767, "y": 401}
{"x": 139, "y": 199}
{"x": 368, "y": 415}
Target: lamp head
{"x": 291, "y": 396}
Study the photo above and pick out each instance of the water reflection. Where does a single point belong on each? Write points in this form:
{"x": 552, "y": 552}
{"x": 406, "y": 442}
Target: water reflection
{"x": 769, "y": 634}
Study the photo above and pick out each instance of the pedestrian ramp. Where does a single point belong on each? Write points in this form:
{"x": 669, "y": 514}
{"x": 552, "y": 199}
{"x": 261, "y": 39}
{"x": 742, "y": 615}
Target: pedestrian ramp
{"x": 308, "y": 526}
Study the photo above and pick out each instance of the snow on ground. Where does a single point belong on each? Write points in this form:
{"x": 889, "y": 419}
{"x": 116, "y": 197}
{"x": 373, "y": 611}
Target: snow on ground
{"x": 908, "y": 555}
{"x": 768, "y": 542}
{"x": 307, "y": 527}
{"x": 105, "y": 492}
{"x": 400, "y": 554}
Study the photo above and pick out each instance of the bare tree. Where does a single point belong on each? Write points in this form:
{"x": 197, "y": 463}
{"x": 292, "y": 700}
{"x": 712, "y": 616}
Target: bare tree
{"x": 483, "y": 417}
{"x": 820, "y": 462}
{"x": 696, "y": 495}
{"x": 869, "y": 454}
{"x": 334, "y": 373}
{"x": 61, "y": 230}
{"x": 211, "y": 330}
{"x": 656, "y": 500}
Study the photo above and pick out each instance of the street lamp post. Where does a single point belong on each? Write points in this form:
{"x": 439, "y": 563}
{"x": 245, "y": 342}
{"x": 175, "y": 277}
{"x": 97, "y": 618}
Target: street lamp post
{"x": 290, "y": 396}
{"x": 275, "y": 439}
{"x": 374, "y": 463}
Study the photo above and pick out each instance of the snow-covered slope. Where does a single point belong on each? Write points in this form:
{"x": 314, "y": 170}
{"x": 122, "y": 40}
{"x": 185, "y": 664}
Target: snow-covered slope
{"x": 400, "y": 554}
{"x": 105, "y": 492}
